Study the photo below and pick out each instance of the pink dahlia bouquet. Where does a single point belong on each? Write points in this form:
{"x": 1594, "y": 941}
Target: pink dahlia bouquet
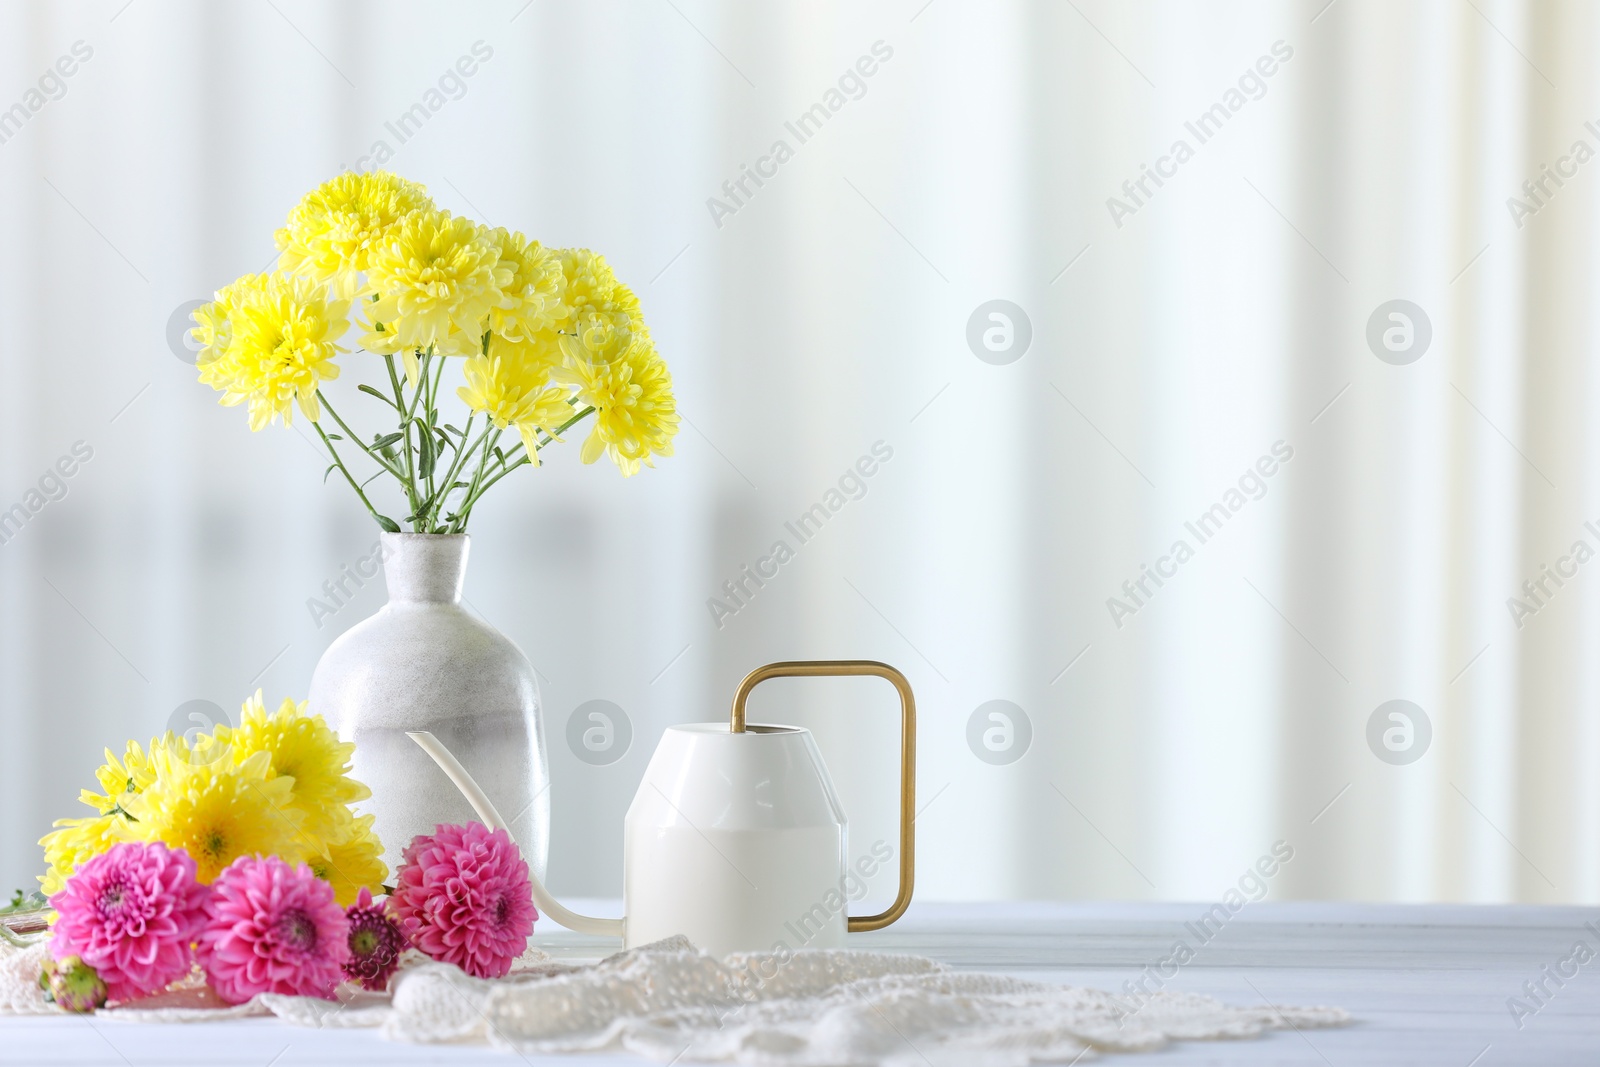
{"x": 272, "y": 928}
{"x": 136, "y": 918}
{"x": 463, "y": 897}
{"x": 131, "y": 914}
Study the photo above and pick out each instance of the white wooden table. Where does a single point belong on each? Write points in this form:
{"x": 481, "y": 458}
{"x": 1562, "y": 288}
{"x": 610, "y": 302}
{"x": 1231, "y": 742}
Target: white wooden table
{"x": 1427, "y": 984}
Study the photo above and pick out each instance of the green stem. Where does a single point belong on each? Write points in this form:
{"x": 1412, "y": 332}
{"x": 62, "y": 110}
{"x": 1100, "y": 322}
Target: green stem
{"x": 422, "y": 384}
{"x": 410, "y": 483}
{"x": 429, "y": 412}
{"x": 435, "y": 504}
{"x": 462, "y": 450}
{"x": 376, "y": 457}
{"x": 524, "y": 459}
{"x": 425, "y": 429}
{"x": 472, "y": 494}
{"x": 439, "y": 490}
{"x": 334, "y": 452}
{"x": 433, "y": 396}
{"x": 565, "y": 426}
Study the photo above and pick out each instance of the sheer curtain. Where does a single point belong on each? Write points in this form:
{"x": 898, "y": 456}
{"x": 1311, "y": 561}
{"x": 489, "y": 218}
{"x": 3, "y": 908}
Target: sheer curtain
{"x": 1198, "y": 346}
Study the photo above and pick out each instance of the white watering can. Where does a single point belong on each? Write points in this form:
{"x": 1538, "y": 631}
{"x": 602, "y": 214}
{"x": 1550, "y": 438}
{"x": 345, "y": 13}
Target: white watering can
{"x": 735, "y": 838}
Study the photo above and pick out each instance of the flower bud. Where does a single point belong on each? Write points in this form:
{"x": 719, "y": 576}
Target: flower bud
{"x": 72, "y": 985}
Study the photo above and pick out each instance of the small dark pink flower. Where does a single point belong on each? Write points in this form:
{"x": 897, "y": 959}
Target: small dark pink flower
{"x": 375, "y": 944}
{"x": 272, "y": 928}
{"x": 463, "y": 897}
{"x": 131, "y": 913}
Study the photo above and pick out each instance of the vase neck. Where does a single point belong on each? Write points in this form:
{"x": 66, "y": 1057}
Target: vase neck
{"x": 424, "y": 568}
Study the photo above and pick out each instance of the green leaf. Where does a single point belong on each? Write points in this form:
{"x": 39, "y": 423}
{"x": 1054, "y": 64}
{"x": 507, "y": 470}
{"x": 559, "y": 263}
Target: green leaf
{"x": 331, "y": 468}
{"x": 334, "y": 437}
{"x": 386, "y": 440}
{"x": 21, "y": 901}
{"x": 425, "y": 467}
{"x": 387, "y": 523}
{"x": 369, "y": 389}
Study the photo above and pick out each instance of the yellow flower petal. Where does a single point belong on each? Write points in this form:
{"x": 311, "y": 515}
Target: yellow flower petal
{"x": 218, "y": 811}
{"x": 305, "y": 749}
{"x": 630, "y": 389}
{"x": 332, "y": 233}
{"x": 281, "y": 336}
{"x": 437, "y": 276}
{"x": 353, "y": 863}
{"x": 531, "y": 300}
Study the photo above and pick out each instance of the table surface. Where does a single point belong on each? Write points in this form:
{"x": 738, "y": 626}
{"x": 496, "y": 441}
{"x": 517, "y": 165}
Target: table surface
{"x": 1426, "y": 984}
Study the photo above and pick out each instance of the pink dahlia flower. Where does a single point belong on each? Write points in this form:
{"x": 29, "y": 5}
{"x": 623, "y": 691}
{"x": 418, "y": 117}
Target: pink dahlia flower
{"x": 375, "y": 944}
{"x": 463, "y": 896}
{"x": 272, "y": 928}
{"x": 131, "y": 913}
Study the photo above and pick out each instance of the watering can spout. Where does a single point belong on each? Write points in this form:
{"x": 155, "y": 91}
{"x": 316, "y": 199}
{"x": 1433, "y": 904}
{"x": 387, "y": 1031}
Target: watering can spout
{"x": 548, "y": 905}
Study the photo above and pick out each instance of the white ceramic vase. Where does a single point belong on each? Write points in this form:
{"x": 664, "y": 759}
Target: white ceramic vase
{"x": 424, "y": 663}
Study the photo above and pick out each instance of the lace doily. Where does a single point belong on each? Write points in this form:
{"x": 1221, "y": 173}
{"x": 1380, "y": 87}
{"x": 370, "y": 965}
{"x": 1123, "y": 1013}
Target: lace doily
{"x": 669, "y": 1001}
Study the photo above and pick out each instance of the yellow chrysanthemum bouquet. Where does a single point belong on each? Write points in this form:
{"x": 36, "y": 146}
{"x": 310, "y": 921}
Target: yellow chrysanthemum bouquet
{"x": 278, "y": 784}
{"x": 547, "y": 338}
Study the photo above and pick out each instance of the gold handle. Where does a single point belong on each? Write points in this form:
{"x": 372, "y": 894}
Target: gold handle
{"x": 842, "y": 668}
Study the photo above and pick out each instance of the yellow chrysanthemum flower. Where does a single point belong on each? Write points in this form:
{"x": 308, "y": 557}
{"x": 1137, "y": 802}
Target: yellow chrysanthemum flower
{"x": 596, "y": 339}
{"x": 213, "y": 329}
{"x": 629, "y": 387}
{"x": 593, "y": 297}
{"x": 353, "y": 863}
{"x": 77, "y": 841}
{"x": 119, "y": 778}
{"x": 304, "y": 748}
{"x": 333, "y": 230}
{"x": 535, "y": 360}
{"x": 512, "y": 386}
{"x": 219, "y": 810}
{"x": 280, "y": 335}
{"x": 531, "y": 300}
{"x": 276, "y": 785}
{"x": 435, "y": 279}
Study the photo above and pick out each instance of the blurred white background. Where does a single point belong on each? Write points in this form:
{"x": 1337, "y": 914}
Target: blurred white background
{"x": 1172, "y": 344}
